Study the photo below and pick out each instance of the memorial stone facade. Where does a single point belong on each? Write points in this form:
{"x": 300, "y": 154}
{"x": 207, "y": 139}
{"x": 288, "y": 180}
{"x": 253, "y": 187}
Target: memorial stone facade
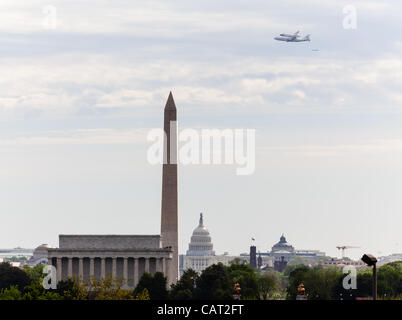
{"x": 120, "y": 256}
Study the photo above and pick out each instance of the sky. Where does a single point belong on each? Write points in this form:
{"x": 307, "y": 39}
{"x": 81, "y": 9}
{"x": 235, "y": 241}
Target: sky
{"x": 83, "y": 82}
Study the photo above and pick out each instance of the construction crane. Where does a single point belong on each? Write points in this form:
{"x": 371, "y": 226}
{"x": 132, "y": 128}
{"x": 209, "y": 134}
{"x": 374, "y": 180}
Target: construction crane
{"x": 343, "y": 249}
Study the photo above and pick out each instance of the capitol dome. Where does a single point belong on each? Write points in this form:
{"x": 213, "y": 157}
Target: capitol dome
{"x": 201, "y": 243}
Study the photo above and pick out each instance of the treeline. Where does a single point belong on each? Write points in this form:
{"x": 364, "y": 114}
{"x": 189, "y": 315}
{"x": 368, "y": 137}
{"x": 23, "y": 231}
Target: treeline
{"x": 327, "y": 283}
{"x": 217, "y": 282}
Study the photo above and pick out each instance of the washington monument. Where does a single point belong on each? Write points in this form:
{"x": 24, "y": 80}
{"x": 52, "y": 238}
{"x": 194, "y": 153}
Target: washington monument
{"x": 169, "y": 223}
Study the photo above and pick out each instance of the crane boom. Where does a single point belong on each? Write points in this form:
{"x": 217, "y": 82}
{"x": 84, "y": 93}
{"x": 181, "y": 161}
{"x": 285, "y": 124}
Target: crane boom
{"x": 343, "y": 249}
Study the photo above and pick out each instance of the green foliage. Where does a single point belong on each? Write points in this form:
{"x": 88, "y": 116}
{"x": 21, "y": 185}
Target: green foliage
{"x": 297, "y": 260}
{"x": 16, "y": 259}
{"x": 66, "y": 289}
{"x": 267, "y": 282}
{"x": 155, "y": 285}
{"x": 214, "y": 284}
{"x": 364, "y": 283}
{"x": 35, "y": 291}
{"x": 291, "y": 267}
{"x": 247, "y": 279}
{"x": 281, "y": 284}
{"x": 238, "y": 260}
{"x": 389, "y": 281}
{"x": 184, "y": 288}
{"x": 144, "y": 295}
{"x": 319, "y": 282}
{"x": 11, "y": 293}
{"x": 296, "y": 277}
{"x": 12, "y": 276}
{"x": 109, "y": 288}
{"x": 35, "y": 273}
{"x": 327, "y": 283}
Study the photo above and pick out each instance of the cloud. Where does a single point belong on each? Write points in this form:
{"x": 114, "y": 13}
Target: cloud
{"x": 122, "y": 59}
{"x": 100, "y": 82}
{"x": 276, "y": 85}
{"x": 79, "y": 137}
{"x": 375, "y": 147}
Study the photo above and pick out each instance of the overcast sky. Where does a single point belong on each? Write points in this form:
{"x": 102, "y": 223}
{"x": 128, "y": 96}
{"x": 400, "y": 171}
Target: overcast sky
{"x": 78, "y": 97}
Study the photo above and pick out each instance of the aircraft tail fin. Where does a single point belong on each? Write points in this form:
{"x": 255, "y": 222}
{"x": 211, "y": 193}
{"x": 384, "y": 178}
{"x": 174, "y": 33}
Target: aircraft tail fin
{"x": 307, "y": 38}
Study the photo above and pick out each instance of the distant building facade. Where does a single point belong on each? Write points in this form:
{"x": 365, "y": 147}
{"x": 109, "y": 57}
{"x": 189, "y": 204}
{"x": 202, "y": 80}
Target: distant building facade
{"x": 341, "y": 263}
{"x": 39, "y": 255}
{"x": 390, "y": 258}
{"x": 282, "y": 252}
{"x": 119, "y": 256}
{"x": 16, "y": 252}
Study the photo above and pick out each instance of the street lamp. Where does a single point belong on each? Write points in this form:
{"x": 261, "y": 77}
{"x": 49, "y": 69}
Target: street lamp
{"x": 370, "y": 260}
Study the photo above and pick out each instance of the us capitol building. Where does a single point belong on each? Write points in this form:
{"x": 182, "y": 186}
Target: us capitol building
{"x": 200, "y": 253}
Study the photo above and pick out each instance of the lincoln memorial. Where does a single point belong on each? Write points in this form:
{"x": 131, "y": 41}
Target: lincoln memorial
{"x": 119, "y": 256}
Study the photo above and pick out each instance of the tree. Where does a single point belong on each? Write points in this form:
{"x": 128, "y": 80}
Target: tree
{"x": 159, "y": 289}
{"x": 12, "y": 276}
{"x": 390, "y": 279}
{"x": 155, "y": 285}
{"x": 184, "y": 288}
{"x": 319, "y": 283}
{"x": 35, "y": 291}
{"x": 11, "y": 293}
{"x": 214, "y": 284}
{"x": 16, "y": 259}
{"x": 110, "y": 288}
{"x": 290, "y": 267}
{"x": 144, "y": 295}
{"x": 266, "y": 284}
{"x": 247, "y": 279}
{"x": 65, "y": 288}
{"x": 389, "y": 283}
{"x": 296, "y": 277}
{"x": 34, "y": 273}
